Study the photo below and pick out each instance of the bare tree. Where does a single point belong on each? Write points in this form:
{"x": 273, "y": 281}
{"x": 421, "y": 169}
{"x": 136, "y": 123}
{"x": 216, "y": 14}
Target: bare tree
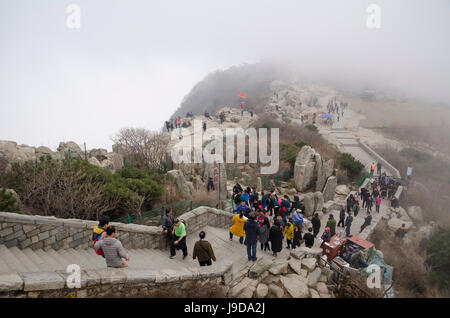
{"x": 141, "y": 147}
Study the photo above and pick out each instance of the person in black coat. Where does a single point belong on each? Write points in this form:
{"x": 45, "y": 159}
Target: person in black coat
{"x": 341, "y": 216}
{"x": 297, "y": 241}
{"x": 316, "y": 224}
{"x": 309, "y": 238}
{"x": 251, "y": 229}
{"x": 367, "y": 222}
{"x": 276, "y": 238}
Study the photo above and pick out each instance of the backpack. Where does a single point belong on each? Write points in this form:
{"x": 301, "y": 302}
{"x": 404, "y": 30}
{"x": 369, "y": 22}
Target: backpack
{"x": 96, "y": 235}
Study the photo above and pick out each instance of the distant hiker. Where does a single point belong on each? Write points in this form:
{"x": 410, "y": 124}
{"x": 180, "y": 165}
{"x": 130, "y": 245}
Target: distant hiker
{"x": 167, "y": 126}
{"x": 297, "y": 241}
{"x": 372, "y": 169}
{"x": 348, "y": 224}
{"x": 203, "y": 251}
{"x": 288, "y": 233}
{"x": 379, "y": 168}
{"x": 377, "y": 204}
{"x": 356, "y": 208}
{"x": 367, "y": 222}
{"x": 167, "y": 224}
{"x": 112, "y": 249}
{"x": 263, "y": 236}
{"x": 369, "y": 203}
{"x": 341, "y": 216}
{"x": 331, "y": 224}
{"x": 276, "y": 238}
{"x": 316, "y": 224}
{"x": 251, "y": 229}
{"x": 179, "y": 239}
{"x": 204, "y": 126}
{"x": 401, "y": 232}
{"x": 237, "y": 188}
{"x": 210, "y": 184}
{"x": 99, "y": 233}
{"x": 309, "y": 238}
{"x": 238, "y": 226}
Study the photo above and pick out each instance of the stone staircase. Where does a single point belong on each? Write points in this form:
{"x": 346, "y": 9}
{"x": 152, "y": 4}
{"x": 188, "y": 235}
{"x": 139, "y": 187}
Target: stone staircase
{"x": 15, "y": 260}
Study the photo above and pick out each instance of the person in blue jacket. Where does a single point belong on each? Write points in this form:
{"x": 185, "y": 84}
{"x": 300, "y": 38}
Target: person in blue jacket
{"x": 242, "y": 207}
{"x": 245, "y": 196}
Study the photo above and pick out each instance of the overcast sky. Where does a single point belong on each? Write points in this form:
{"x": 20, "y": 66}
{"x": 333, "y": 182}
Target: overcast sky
{"x": 132, "y": 61}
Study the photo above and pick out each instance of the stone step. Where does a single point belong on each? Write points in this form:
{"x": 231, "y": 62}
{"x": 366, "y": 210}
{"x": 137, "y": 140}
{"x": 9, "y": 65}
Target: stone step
{"x": 11, "y": 260}
{"x": 68, "y": 258}
{"x": 51, "y": 263}
{"x": 61, "y": 262}
{"x": 4, "y": 268}
{"x": 80, "y": 258}
{"x": 96, "y": 260}
{"x": 36, "y": 259}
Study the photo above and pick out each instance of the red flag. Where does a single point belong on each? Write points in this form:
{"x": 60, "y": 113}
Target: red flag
{"x": 241, "y": 95}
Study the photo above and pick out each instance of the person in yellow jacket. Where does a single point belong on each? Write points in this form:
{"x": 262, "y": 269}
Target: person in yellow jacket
{"x": 238, "y": 226}
{"x": 289, "y": 233}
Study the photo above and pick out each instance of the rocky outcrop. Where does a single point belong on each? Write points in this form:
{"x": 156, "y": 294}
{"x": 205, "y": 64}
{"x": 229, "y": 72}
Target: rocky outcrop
{"x": 70, "y": 150}
{"x": 304, "y": 168}
{"x": 342, "y": 189}
{"x": 415, "y": 213}
{"x": 310, "y": 171}
{"x": 330, "y": 188}
{"x": 181, "y": 183}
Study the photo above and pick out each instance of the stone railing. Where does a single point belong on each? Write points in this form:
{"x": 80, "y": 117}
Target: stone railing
{"x": 207, "y": 281}
{"x": 374, "y": 154}
{"x": 42, "y": 232}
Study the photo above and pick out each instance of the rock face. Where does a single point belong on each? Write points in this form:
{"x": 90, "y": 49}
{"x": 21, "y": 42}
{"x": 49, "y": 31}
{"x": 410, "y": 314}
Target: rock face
{"x": 342, "y": 189}
{"x": 260, "y": 266}
{"x": 309, "y": 264}
{"x": 75, "y": 150}
{"x": 396, "y": 223}
{"x": 304, "y": 168}
{"x": 329, "y": 189}
{"x": 181, "y": 183}
{"x": 310, "y": 170}
{"x": 313, "y": 202}
{"x": 415, "y": 213}
{"x": 277, "y": 291}
{"x": 261, "y": 291}
{"x": 295, "y": 286}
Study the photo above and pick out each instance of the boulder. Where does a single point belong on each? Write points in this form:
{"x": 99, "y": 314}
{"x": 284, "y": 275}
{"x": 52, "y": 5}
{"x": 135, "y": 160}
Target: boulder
{"x": 314, "y": 293}
{"x": 309, "y": 264}
{"x": 295, "y": 265}
{"x": 261, "y": 291}
{"x": 396, "y": 223}
{"x": 425, "y": 232}
{"x": 322, "y": 288}
{"x": 277, "y": 291}
{"x": 324, "y": 174}
{"x": 304, "y": 168}
{"x": 327, "y": 206}
{"x": 318, "y": 201}
{"x": 180, "y": 181}
{"x": 75, "y": 150}
{"x": 415, "y": 213}
{"x": 94, "y": 161}
{"x": 280, "y": 267}
{"x": 298, "y": 254}
{"x": 239, "y": 288}
{"x": 309, "y": 203}
{"x": 100, "y": 154}
{"x": 116, "y": 159}
{"x": 330, "y": 188}
{"x": 11, "y": 153}
{"x": 295, "y": 286}
{"x": 259, "y": 267}
{"x": 342, "y": 189}
{"x": 314, "y": 276}
{"x": 40, "y": 151}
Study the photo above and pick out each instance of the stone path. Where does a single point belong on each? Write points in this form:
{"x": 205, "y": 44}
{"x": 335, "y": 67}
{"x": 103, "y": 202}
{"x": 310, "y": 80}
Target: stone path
{"x": 14, "y": 260}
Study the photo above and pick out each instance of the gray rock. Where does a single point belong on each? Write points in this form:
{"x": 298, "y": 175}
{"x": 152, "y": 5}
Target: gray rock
{"x": 314, "y": 276}
{"x": 309, "y": 264}
{"x": 279, "y": 268}
{"x": 295, "y": 265}
{"x": 309, "y": 202}
{"x": 329, "y": 189}
{"x": 318, "y": 201}
{"x": 415, "y": 213}
{"x": 260, "y": 266}
{"x": 304, "y": 168}
{"x": 239, "y": 288}
{"x": 261, "y": 291}
{"x": 342, "y": 189}
{"x": 322, "y": 288}
{"x": 295, "y": 286}
{"x": 394, "y": 224}
{"x": 277, "y": 291}
{"x": 314, "y": 293}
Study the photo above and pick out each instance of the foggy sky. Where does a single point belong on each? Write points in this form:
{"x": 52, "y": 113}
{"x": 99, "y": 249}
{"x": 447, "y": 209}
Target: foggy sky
{"x": 132, "y": 62}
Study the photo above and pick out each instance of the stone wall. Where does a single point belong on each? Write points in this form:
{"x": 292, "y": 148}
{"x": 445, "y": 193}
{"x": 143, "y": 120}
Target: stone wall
{"x": 205, "y": 281}
{"x": 380, "y": 159}
{"x": 40, "y": 232}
